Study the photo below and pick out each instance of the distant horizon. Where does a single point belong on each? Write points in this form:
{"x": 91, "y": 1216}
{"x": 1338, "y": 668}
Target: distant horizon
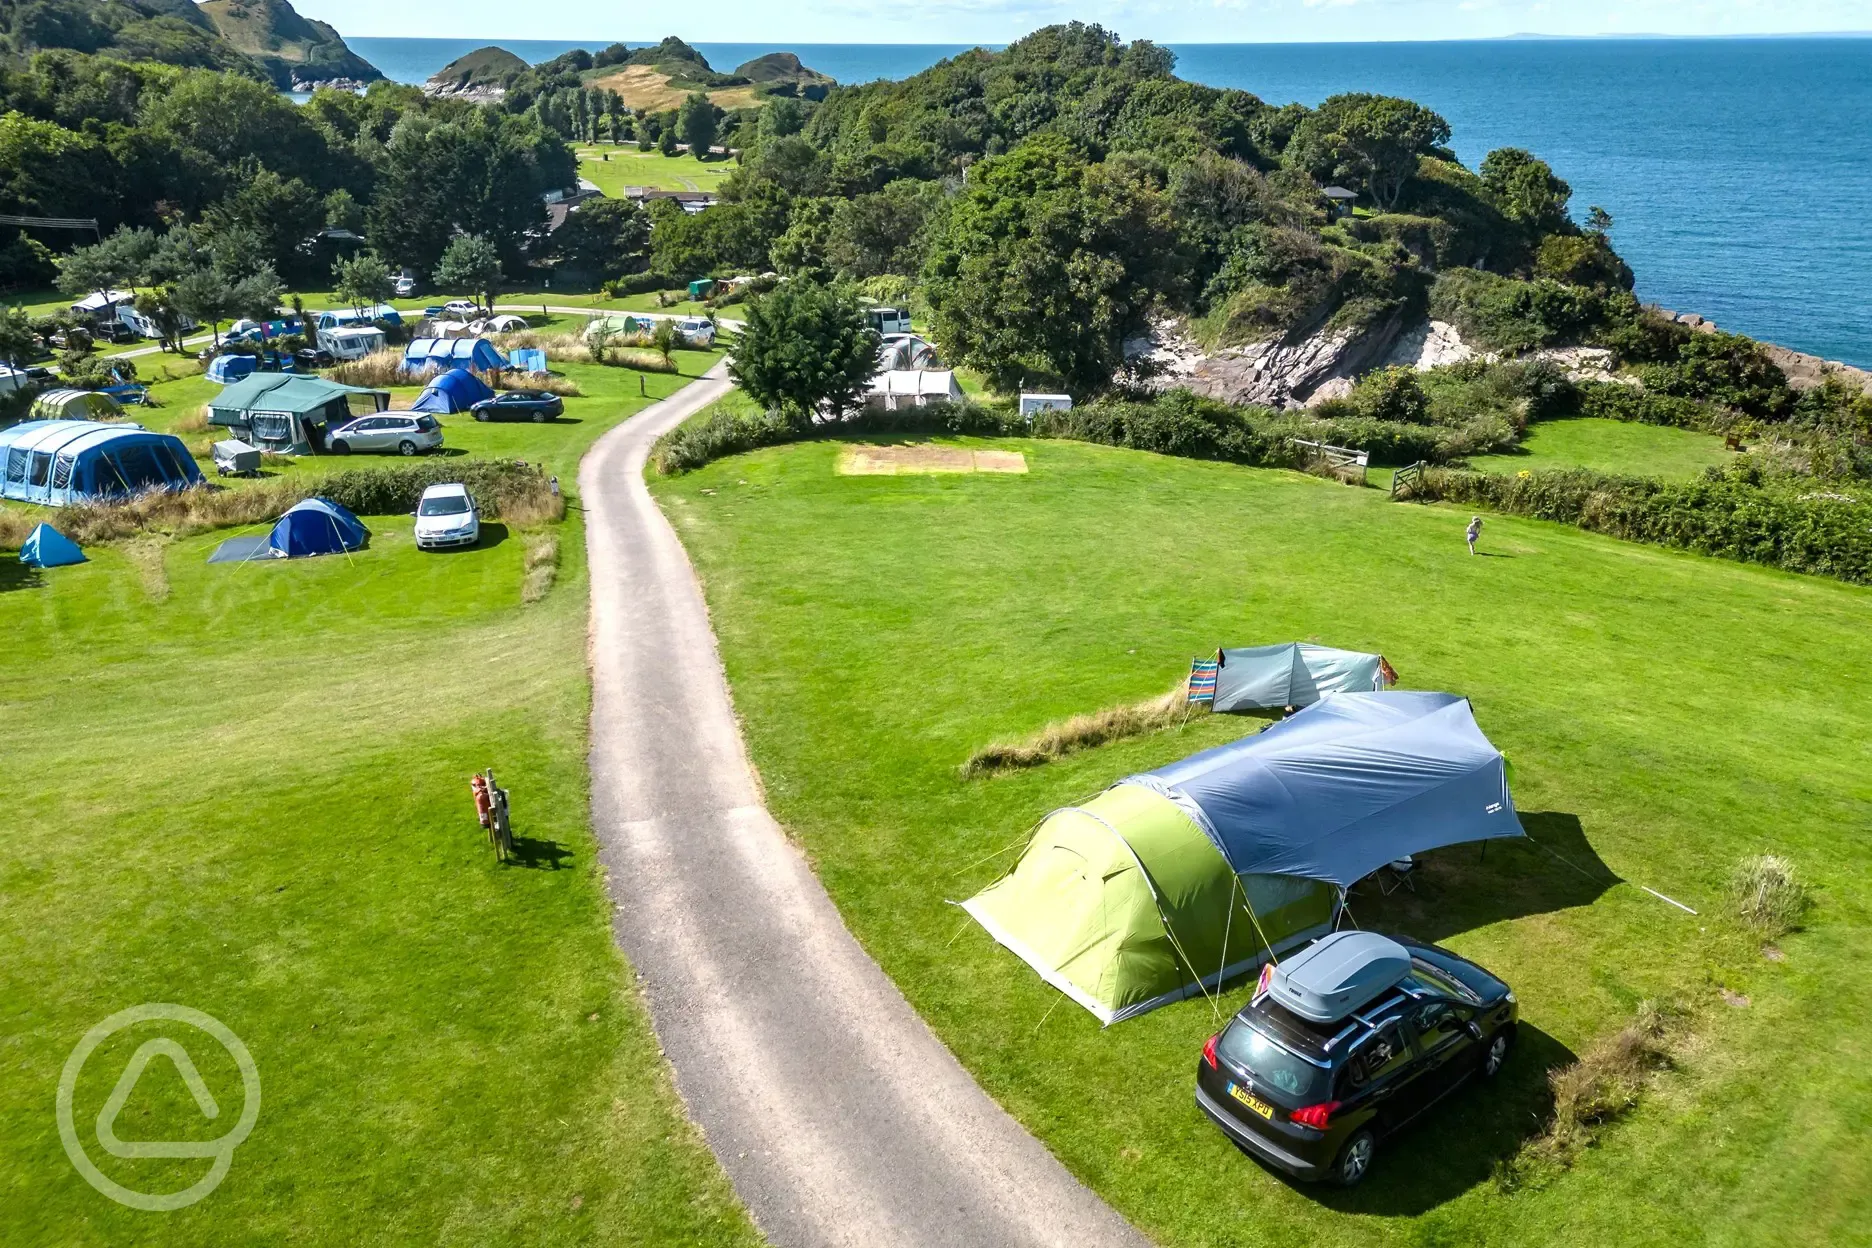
{"x": 1521, "y": 36}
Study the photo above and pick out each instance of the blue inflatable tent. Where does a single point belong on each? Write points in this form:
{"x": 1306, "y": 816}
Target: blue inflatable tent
{"x": 1350, "y": 783}
{"x": 46, "y": 547}
{"x": 226, "y": 368}
{"x": 454, "y": 391}
{"x": 427, "y": 353}
{"x": 59, "y": 462}
{"x": 317, "y": 526}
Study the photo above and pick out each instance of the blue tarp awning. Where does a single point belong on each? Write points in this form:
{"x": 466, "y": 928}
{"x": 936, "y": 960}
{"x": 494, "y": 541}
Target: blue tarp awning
{"x": 1350, "y": 783}
{"x": 1296, "y": 673}
{"x": 317, "y": 526}
{"x": 454, "y": 391}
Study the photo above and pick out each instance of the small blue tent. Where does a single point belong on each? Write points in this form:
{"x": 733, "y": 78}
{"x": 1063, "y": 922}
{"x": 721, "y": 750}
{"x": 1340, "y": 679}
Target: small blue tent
{"x": 454, "y": 391}
{"x": 46, "y": 547}
{"x": 317, "y": 526}
{"x": 1350, "y": 783}
{"x": 438, "y": 353}
{"x": 226, "y": 368}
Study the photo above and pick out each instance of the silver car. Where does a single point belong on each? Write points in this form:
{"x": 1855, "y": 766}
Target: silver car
{"x": 446, "y": 516}
{"x": 402, "y": 433}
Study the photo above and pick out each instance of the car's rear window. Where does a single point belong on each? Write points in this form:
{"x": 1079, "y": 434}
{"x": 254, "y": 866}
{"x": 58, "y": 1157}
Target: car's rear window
{"x": 1292, "y": 1081}
{"x": 446, "y": 505}
{"x": 427, "y": 424}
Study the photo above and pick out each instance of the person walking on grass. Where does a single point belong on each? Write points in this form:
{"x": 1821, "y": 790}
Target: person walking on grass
{"x": 1474, "y": 531}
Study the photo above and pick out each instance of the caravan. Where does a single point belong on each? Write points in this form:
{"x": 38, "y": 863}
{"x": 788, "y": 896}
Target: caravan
{"x": 351, "y": 342}
{"x": 144, "y": 327}
{"x": 339, "y": 318}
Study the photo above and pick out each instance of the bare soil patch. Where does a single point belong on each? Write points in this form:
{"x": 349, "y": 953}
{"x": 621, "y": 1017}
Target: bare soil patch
{"x": 922, "y": 458}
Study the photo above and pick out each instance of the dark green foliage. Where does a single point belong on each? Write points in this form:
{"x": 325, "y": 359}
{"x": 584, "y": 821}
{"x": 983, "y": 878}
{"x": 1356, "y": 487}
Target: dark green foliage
{"x": 1582, "y": 260}
{"x": 696, "y": 124}
{"x": 1726, "y": 369}
{"x": 1719, "y": 515}
{"x": 1612, "y": 401}
{"x": 1526, "y": 190}
{"x": 393, "y": 489}
{"x": 470, "y": 263}
{"x": 606, "y": 238}
{"x": 805, "y": 352}
{"x": 726, "y": 432}
{"x": 1367, "y": 142}
{"x": 1045, "y": 264}
{"x": 1503, "y": 314}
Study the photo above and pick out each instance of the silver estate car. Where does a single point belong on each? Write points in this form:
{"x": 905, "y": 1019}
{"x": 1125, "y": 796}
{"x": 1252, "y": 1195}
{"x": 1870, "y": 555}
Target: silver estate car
{"x": 401, "y": 433}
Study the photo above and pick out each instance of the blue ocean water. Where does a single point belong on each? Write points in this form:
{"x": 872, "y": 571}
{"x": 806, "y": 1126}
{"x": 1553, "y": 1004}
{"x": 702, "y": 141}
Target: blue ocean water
{"x": 1738, "y": 171}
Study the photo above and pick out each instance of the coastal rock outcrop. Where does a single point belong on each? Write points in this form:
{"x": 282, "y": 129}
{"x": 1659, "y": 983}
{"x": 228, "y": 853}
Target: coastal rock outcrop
{"x": 1280, "y": 372}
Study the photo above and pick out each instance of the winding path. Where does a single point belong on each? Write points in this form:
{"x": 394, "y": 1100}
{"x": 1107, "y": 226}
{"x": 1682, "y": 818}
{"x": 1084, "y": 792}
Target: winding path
{"x": 838, "y": 1115}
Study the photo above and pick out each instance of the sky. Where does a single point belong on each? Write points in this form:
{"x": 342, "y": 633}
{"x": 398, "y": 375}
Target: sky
{"x": 1166, "y": 21}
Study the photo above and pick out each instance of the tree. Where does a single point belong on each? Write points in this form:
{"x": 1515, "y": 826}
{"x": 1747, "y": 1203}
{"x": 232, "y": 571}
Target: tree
{"x": 473, "y": 264}
{"x": 1046, "y": 264}
{"x": 1598, "y": 220}
{"x": 1525, "y": 189}
{"x": 119, "y": 262}
{"x": 17, "y": 339}
{"x": 1372, "y": 140}
{"x": 159, "y": 305}
{"x": 363, "y": 281}
{"x": 697, "y": 123}
{"x": 604, "y": 237}
{"x": 666, "y": 140}
{"x": 805, "y": 350}
{"x": 207, "y": 296}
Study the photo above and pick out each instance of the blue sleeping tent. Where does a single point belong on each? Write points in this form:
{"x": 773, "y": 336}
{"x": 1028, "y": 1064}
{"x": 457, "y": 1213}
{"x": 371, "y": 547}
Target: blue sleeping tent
{"x": 317, "y": 526}
{"x": 1341, "y": 788}
{"x": 424, "y": 354}
{"x": 46, "y": 547}
{"x": 454, "y": 391}
{"x": 228, "y": 368}
{"x": 60, "y": 462}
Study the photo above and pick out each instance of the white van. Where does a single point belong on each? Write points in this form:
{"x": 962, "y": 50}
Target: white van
{"x": 888, "y": 320}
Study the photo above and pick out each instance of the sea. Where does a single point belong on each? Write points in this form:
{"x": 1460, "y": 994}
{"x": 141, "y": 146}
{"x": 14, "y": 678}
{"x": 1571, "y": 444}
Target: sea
{"x": 1738, "y": 172}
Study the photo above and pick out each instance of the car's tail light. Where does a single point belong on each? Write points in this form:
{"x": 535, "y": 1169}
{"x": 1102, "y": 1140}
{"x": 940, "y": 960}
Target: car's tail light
{"x": 1315, "y": 1116}
{"x": 1209, "y": 1050}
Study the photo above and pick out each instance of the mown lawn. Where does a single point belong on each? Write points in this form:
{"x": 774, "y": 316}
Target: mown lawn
{"x": 244, "y": 789}
{"x": 627, "y": 166}
{"x": 1666, "y": 715}
{"x": 1615, "y": 446}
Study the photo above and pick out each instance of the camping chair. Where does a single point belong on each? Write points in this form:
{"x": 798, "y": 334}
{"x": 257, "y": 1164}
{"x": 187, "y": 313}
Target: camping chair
{"x": 1202, "y": 681}
{"x": 1396, "y": 874}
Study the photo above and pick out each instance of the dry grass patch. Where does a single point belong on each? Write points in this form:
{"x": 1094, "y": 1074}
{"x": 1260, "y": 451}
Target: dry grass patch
{"x": 1085, "y": 732}
{"x": 643, "y": 87}
{"x": 147, "y": 554}
{"x": 541, "y": 566}
{"x": 859, "y": 460}
{"x": 196, "y": 422}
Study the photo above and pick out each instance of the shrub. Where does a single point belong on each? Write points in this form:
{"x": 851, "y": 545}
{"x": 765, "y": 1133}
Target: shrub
{"x": 1613, "y": 401}
{"x": 721, "y": 432}
{"x": 1084, "y": 732}
{"x": 1725, "y": 369}
{"x": 1769, "y": 898}
{"x": 1503, "y": 314}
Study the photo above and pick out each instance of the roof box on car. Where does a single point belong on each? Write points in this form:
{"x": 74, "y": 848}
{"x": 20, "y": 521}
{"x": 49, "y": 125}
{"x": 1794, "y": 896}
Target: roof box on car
{"x": 1338, "y": 975}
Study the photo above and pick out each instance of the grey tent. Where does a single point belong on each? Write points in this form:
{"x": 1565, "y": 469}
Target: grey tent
{"x": 1295, "y": 673}
{"x": 1353, "y": 782}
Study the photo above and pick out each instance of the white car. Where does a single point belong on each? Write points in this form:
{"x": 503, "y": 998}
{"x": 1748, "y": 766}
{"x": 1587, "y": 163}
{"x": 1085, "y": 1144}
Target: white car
{"x": 404, "y": 285}
{"x": 697, "y": 331}
{"x": 461, "y": 309}
{"x": 446, "y": 516}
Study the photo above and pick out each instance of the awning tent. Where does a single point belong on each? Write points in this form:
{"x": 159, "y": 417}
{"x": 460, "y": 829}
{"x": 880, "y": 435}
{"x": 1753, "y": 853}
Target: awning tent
{"x": 61, "y": 462}
{"x": 454, "y": 391}
{"x": 446, "y": 353}
{"x": 317, "y": 526}
{"x": 289, "y": 414}
{"x": 225, "y": 369}
{"x": 75, "y": 405}
{"x": 46, "y": 547}
{"x": 1293, "y": 674}
{"x": 1136, "y": 899}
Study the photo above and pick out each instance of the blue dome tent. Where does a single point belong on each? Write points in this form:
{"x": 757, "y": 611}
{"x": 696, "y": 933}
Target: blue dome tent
{"x": 46, "y": 547}
{"x": 423, "y": 354}
{"x": 60, "y": 462}
{"x": 229, "y": 368}
{"x": 454, "y": 391}
{"x": 317, "y": 526}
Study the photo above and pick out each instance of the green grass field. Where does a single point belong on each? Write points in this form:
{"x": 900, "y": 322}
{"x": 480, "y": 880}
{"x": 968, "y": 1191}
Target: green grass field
{"x": 244, "y": 789}
{"x": 1615, "y": 446}
{"x": 1666, "y": 715}
{"x": 626, "y": 166}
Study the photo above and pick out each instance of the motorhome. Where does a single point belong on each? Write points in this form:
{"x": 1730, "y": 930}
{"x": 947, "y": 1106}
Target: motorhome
{"x": 143, "y": 326}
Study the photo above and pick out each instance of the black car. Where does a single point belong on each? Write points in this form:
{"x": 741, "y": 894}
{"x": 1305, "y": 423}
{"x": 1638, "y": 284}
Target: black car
{"x": 534, "y": 405}
{"x": 1315, "y": 1098}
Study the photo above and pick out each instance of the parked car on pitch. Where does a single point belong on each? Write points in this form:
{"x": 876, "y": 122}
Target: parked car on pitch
{"x": 404, "y": 285}
{"x": 446, "y": 516}
{"x": 534, "y": 405}
{"x": 461, "y": 308}
{"x": 402, "y": 433}
{"x": 1344, "y": 1044}
{"x": 697, "y": 331}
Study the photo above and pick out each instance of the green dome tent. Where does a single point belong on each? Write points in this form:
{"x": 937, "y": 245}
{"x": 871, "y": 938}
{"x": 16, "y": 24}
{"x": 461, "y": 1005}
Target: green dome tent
{"x": 1113, "y": 899}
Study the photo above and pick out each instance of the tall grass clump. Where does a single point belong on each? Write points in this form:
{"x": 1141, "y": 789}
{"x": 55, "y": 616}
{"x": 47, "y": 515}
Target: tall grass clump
{"x": 378, "y": 371}
{"x": 551, "y": 383}
{"x": 1084, "y": 732}
{"x": 1769, "y": 898}
{"x": 1603, "y": 1085}
{"x": 540, "y": 566}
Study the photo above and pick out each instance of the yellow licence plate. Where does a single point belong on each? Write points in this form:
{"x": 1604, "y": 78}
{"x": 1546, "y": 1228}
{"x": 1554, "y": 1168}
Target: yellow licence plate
{"x": 1245, "y": 1097}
